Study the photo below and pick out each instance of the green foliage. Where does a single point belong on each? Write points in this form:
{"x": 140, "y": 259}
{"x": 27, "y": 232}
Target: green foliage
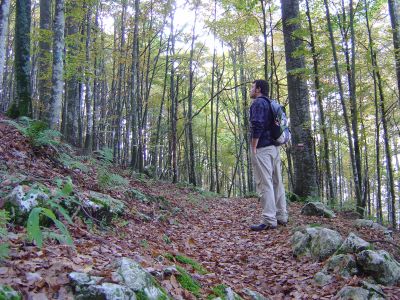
{"x": 3, "y": 234}
{"x": 36, "y": 233}
{"x": 36, "y": 131}
{"x": 187, "y": 282}
{"x": 167, "y": 239}
{"x": 106, "y": 179}
{"x": 8, "y": 293}
{"x": 106, "y": 155}
{"x": 218, "y": 291}
{"x": 188, "y": 261}
{"x": 251, "y": 195}
{"x": 72, "y": 162}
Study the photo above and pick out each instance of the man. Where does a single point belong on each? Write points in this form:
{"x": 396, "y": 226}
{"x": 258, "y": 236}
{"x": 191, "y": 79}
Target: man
{"x": 266, "y": 160}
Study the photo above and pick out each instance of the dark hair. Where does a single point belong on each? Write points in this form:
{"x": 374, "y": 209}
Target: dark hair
{"x": 262, "y": 85}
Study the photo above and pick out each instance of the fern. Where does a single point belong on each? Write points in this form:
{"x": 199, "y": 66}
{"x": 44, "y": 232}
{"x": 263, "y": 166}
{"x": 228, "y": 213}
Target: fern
{"x": 107, "y": 179}
{"x": 72, "y": 163}
{"x": 36, "y": 234}
{"x": 106, "y": 155}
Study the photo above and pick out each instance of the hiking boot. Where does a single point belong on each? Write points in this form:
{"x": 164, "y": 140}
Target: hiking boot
{"x": 261, "y": 226}
{"x": 282, "y": 223}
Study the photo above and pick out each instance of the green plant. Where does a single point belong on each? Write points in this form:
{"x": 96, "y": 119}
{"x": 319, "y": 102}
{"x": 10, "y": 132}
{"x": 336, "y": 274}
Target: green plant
{"x": 36, "y": 131}
{"x": 187, "y": 261}
{"x": 144, "y": 243}
{"x": 37, "y": 234}
{"x": 72, "y": 162}
{"x": 4, "y": 250}
{"x": 218, "y": 291}
{"x": 106, "y": 155}
{"x": 167, "y": 239}
{"x": 8, "y": 293}
{"x": 187, "y": 282}
{"x": 106, "y": 179}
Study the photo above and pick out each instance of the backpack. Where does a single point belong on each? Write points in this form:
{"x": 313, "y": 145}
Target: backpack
{"x": 280, "y": 128}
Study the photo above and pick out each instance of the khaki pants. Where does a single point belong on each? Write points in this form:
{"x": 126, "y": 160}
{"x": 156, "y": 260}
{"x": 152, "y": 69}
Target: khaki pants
{"x": 267, "y": 173}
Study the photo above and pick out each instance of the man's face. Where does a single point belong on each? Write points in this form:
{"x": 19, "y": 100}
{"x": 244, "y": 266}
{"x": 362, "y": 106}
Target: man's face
{"x": 254, "y": 91}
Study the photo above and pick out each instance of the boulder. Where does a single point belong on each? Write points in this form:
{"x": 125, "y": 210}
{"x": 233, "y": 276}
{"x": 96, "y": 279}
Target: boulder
{"x": 102, "y": 206}
{"x": 317, "y": 242}
{"x": 353, "y": 244}
{"x": 325, "y": 243}
{"x": 7, "y": 293}
{"x": 317, "y": 209}
{"x": 107, "y": 291}
{"x": 24, "y": 198}
{"x": 133, "y": 276}
{"x": 322, "y": 278}
{"x": 367, "y": 291}
{"x": 363, "y": 223}
{"x": 343, "y": 264}
{"x": 380, "y": 265}
{"x": 82, "y": 281}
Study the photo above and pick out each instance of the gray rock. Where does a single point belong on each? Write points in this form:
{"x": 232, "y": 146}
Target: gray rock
{"x": 7, "y": 293}
{"x": 343, "y": 264}
{"x": 300, "y": 243}
{"x": 23, "y": 201}
{"x": 317, "y": 209}
{"x": 254, "y": 295}
{"x": 352, "y": 293}
{"x": 82, "y": 280}
{"x": 106, "y": 291}
{"x": 380, "y": 265}
{"x": 363, "y": 223}
{"x": 102, "y": 206}
{"x": 322, "y": 278}
{"x": 231, "y": 295}
{"x": 353, "y": 244}
{"x": 373, "y": 288}
{"x": 324, "y": 243}
{"x": 319, "y": 243}
{"x": 133, "y": 276}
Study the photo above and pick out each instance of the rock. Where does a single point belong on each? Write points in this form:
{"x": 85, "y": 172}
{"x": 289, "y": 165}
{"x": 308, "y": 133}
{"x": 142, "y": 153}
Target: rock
{"x": 133, "y": 276}
{"x": 322, "y": 278}
{"x": 254, "y": 295}
{"x": 343, "y": 264}
{"x": 23, "y": 199}
{"x": 102, "y": 206}
{"x": 231, "y": 295}
{"x": 317, "y": 209}
{"x": 363, "y": 223}
{"x": 367, "y": 291}
{"x": 138, "y": 195}
{"x": 380, "y": 265}
{"x": 82, "y": 280}
{"x": 352, "y": 293}
{"x": 7, "y": 293}
{"x": 300, "y": 243}
{"x": 106, "y": 291}
{"x": 319, "y": 243}
{"x": 353, "y": 244}
{"x": 324, "y": 243}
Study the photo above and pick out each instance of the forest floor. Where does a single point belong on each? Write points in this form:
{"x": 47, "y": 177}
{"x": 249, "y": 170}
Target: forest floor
{"x": 213, "y": 231}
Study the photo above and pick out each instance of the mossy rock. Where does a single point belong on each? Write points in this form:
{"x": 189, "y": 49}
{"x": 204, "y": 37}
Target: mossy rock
{"x": 7, "y": 293}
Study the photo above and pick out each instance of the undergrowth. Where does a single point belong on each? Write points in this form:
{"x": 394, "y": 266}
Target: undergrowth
{"x": 4, "y": 246}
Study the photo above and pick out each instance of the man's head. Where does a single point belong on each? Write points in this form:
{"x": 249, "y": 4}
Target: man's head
{"x": 259, "y": 88}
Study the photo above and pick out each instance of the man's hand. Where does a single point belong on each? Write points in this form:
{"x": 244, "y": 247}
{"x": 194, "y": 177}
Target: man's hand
{"x": 254, "y": 143}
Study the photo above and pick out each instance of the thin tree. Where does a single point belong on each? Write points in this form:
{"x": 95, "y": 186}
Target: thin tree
{"x": 58, "y": 64}
{"x": 394, "y": 12}
{"x": 4, "y": 15}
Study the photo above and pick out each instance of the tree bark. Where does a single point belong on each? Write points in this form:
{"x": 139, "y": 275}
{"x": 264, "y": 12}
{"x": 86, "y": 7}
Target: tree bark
{"x": 58, "y": 66}
{"x": 4, "y": 15}
{"x": 394, "y": 12}
{"x": 303, "y": 151}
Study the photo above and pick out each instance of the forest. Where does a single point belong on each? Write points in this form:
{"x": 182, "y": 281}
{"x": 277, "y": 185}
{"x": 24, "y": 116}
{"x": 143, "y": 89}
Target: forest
{"x": 165, "y": 86}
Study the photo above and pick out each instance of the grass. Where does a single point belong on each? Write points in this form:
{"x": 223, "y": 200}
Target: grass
{"x": 187, "y": 282}
{"x": 187, "y": 261}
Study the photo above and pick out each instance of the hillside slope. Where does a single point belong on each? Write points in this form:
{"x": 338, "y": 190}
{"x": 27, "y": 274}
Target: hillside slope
{"x": 176, "y": 220}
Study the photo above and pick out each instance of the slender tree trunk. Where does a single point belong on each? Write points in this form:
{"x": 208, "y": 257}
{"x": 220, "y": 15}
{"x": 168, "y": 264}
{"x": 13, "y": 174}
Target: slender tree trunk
{"x": 22, "y": 105}
{"x": 44, "y": 71}
{"x": 88, "y": 84}
{"x": 342, "y": 101}
{"x": 303, "y": 150}
{"x": 58, "y": 66}
{"x": 4, "y": 15}
{"x": 192, "y": 160}
{"x": 394, "y": 12}
{"x": 264, "y": 31}
{"x": 135, "y": 87}
{"x": 321, "y": 110}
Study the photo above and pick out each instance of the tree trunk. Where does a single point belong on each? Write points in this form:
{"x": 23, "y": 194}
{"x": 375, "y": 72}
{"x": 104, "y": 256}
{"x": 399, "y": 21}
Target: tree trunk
{"x": 22, "y": 105}
{"x": 321, "y": 110}
{"x": 4, "y": 14}
{"x": 58, "y": 64}
{"x": 394, "y": 12}
{"x": 303, "y": 152}
{"x": 88, "y": 84}
{"x": 44, "y": 71}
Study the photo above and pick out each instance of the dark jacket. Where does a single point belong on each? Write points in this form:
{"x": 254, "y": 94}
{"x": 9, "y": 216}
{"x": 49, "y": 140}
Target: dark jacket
{"x": 261, "y": 121}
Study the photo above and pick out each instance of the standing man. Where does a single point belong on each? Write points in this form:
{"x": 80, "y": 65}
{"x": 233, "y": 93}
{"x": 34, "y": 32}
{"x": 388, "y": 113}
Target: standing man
{"x": 266, "y": 160}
